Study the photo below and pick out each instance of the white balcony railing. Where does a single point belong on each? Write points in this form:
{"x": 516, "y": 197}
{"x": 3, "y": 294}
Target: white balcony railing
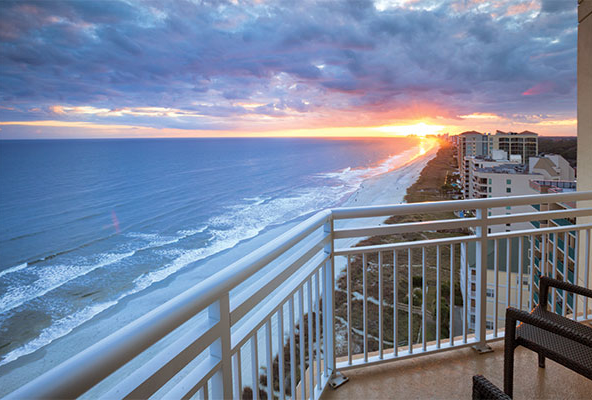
{"x": 289, "y": 317}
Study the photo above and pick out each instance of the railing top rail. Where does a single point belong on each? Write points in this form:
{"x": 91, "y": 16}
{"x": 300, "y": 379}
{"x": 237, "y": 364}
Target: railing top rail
{"x": 78, "y": 374}
{"x": 456, "y": 205}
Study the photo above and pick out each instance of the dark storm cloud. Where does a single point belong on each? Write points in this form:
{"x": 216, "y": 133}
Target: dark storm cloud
{"x": 291, "y": 57}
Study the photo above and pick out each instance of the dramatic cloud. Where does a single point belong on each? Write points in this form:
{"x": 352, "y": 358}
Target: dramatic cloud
{"x": 269, "y": 65}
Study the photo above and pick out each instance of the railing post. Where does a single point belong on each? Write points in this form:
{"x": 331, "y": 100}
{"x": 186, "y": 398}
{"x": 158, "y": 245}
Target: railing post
{"x": 335, "y": 378}
{"x": 481, "y": 282}
{"x": 222, "y": 379}
{"x": 329, "y": 299}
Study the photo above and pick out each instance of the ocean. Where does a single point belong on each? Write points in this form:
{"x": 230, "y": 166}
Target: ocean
{"x": 88, "y": 224}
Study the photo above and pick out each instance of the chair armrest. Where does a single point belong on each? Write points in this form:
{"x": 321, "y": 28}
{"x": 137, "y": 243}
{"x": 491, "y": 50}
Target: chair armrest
{"x": 513, "y": 315}
{"x": 484, "y": 389}
{"x": 546, "y": 282}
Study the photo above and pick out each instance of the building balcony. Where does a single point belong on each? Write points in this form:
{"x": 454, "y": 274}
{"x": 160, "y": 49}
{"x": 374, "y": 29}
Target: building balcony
{"x": 447, "y": 375}
{"x": 388, "y": 308}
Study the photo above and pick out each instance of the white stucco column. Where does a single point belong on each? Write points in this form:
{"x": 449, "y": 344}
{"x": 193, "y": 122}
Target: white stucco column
{"x": 584, "y": 118}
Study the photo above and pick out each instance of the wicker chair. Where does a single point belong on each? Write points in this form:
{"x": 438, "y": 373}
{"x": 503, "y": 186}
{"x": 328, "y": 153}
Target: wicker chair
{"x": 550, "y": 335}
{"x": 485, "y": 390}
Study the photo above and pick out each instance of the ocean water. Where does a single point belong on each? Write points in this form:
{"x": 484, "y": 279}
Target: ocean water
{"x": 85, "y": 224}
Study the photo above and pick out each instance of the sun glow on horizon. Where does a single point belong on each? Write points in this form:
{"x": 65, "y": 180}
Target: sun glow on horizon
{"x": 419, "y": 129}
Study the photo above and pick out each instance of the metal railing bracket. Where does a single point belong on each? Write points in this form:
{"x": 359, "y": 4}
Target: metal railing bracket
{"x": 337, "y": 380}
{"x": 482, "y": 349}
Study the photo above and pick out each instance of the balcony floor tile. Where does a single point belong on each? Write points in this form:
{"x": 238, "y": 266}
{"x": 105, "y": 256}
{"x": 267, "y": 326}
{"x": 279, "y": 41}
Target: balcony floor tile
{"x": 448, "y": 375}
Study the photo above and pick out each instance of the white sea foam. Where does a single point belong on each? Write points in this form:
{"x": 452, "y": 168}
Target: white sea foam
{"x": 257, "y": 200}
{"x": 354, "y": 176}
{"x": 190, "y": 232}
{"x": 157, "y": 240}
{"x": 52, "y": 277}
{"x": 13, "y": 269}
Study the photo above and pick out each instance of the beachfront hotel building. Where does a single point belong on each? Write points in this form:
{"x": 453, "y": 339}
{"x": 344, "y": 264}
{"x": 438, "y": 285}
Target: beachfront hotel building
{"x": 518, "y": 147}
{"x": 206, "y": 360}
{"x": 503, "y": 178}
{"x": 525, "y": 144}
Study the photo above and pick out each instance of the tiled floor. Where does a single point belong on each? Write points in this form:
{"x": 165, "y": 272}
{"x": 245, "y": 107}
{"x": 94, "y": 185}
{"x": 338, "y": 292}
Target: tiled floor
{"x": 448, "y": 375}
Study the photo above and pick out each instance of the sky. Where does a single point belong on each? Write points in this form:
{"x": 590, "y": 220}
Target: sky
{"x": 88, "y": 69}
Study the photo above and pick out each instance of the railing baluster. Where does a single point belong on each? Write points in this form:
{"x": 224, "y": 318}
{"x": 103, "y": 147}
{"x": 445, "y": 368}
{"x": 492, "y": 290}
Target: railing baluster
{"x": 423, "y": 298}
{"x": 206, "y": 391}
{"x": 365, "y": 307}
{"x": 255, "y": 366}
{"x": 318, "y": 327}
{"x": 452, "y": 295}
{"x": 395, "y": 306}
{"x": 530, "y": 282}
{"x": 587, "y": 272}
{"x": 576, "y": 269}
{"x": 269, "y": 358}
{"x": 280, "y": 343}
{"x": 238, "y": 385}
{"x": 495, "y": 284}
{"x": 466, "y": 301}
{"x": 565, "y": 272}
{"x": 409, "y": 302}
{"x": 328, "y": 318}
{"x": 438, "y": 284}
{"x": 302, "y": 348}
{"x": 508, "y": 272}
{"x": 349, "y": 313}
{"x": 543, "y": 255}
{"x": 380, "y": 310}
{"x": 520, "y": 266}
{"x": 329, "y": 282}
{"x": 310, "y": 340}
{"x": 555, "y": 262}
{"x": 292, "y": 350}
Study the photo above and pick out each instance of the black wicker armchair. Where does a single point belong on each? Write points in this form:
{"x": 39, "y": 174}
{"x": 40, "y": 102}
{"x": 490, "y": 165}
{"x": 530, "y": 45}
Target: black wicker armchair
{"x": 485, "y": 390}
{"x": 552, "y": 336}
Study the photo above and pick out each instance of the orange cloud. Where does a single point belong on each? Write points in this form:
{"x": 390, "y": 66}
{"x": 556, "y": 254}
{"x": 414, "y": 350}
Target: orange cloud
{"x": 522, "y": 8}
{"x": 480, "y": 116}
{"x": 539, "y": 88}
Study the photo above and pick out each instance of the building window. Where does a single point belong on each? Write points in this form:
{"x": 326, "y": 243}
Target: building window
{"x": 489, "y": 188}
{"x": 508, "y": 181}
{"x": 489, "y": 324}
{"x": 490, "y": 181}
{"x": 508, "y": 190}
{"x": 490, "y": 293}
{"x": 508, "y": 207}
